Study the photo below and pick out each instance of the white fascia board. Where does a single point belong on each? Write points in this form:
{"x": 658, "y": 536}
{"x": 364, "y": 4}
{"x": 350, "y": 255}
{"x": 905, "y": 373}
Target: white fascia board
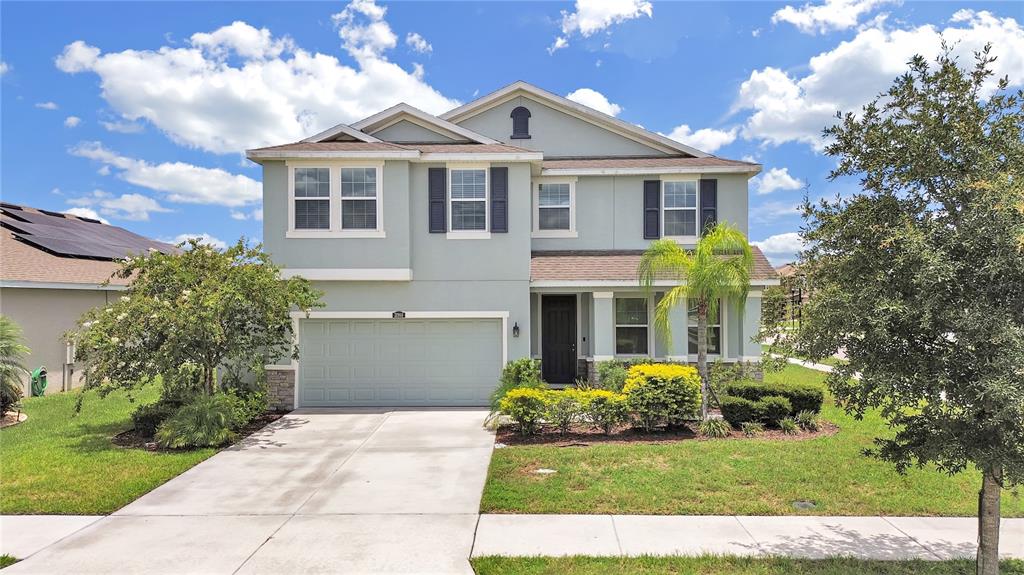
{"x": 350, "y": 274}
{"x": 752, "y": 170}
{"x": 333, "y": 132}
{"x": 368, "y": 154}
{"x": 60, "y": 285}
{"x": 572, "y": 108}
{"x": 379, "y": 119}
{"x": 482, "y": 156}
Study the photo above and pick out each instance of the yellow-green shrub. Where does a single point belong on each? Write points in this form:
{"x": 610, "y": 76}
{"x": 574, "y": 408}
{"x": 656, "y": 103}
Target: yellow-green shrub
{"x": 526, "y": 406}
{"x": 605, "y": 409}
{"x": 660, "y": 393}
{"x": 564, "y": 407}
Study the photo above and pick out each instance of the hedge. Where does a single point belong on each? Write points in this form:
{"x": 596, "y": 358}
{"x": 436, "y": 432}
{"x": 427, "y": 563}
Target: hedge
{"x": 801, "y": 397}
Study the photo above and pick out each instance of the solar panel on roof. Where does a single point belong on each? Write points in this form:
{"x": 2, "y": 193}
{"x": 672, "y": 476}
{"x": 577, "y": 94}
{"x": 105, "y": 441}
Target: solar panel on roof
{"x": 65, "y": 236}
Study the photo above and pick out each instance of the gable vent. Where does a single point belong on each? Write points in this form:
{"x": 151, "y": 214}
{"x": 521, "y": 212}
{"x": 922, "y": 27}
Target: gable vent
{"x": 520, "y": 123}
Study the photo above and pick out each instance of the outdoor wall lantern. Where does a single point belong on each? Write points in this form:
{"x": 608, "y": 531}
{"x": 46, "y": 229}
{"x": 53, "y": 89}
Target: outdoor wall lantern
{"x": 515, "y": 330}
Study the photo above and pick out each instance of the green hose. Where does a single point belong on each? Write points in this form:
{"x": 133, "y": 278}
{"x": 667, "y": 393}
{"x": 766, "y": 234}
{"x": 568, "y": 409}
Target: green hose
{"x": 39, "y": 381}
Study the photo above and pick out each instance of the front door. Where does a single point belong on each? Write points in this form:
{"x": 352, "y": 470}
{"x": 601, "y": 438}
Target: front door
{"x": 558, "y": 338}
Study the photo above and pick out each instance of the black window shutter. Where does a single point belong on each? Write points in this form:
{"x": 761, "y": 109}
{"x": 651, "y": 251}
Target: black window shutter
{"x": 436, "y": 184}
{"x": 499, "y": 200}
{"x": 652, "y": 207}
{"x": 708, "y": 205}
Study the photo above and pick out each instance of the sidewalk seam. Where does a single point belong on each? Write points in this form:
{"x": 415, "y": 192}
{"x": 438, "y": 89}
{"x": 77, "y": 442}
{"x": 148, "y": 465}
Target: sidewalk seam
{"x": 757, "y": 543}
{"x": 615, "y": 531}
{"x": 911, "y": 537}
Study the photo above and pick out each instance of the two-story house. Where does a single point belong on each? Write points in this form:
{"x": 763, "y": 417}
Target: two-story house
{"x": 509, "y": 227}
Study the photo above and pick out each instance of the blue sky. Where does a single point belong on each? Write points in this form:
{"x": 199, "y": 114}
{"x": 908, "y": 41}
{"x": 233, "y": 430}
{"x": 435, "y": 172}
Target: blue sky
{"x": 139, "y": 112}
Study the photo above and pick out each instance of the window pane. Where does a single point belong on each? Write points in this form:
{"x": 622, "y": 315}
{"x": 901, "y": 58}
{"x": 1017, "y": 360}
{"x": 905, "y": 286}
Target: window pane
{"x": 359, "y": 214}
{"x": 312, "y": 214}
{"x": 358, "y": 182}
{"x": 691, "y": 312}
{"x": 631, "y": 340}
{"x": 554, "y": 195}
{"x": 680, "y": 194}
{"x": 680, "y": 223}
{"x": 312, "y": 182}
{"x": 714, "y": 340}
{"x": 469, "y": 184}
{"x": 631, "y": 311}
{"x": 469, "y": 215}
{"x": 553, "y": 219}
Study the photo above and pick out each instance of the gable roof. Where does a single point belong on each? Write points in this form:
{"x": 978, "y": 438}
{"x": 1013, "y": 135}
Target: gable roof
{"x": 576, "y": 109}
{"x": 404, "y": 111}
{"x": 339, "y": 130}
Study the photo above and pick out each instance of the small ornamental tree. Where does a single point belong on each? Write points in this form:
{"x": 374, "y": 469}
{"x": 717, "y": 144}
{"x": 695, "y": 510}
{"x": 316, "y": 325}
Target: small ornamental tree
{"x": 920, "y": 276}
{"x": 202, "y": 308}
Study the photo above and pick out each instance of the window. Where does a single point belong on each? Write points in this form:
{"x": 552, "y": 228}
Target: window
{"x": 714, "y": 330}
{"x": 312, "y": 198}
{"x": 553, "y": 207}
{"x": 469, "y": 199}
{"x": 359, "y": 198}
{"x": 520, "y": 123}
{"x": 631, "y": 326}
{"x": 680, "y": 212}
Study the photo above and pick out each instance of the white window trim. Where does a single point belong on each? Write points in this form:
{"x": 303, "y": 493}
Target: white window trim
{"x": 616, "y": 325}
{"x": 723, "y": 307}
{"x": 484, "y": 234}
{"x": 696, "y": 209}
{"x": 336, "y": 204}
{"x": 569, "y": 233}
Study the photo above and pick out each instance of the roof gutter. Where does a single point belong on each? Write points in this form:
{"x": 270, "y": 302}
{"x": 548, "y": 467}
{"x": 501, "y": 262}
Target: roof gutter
{"x": 60, "y": 285}
{"x": 752, "y": 170}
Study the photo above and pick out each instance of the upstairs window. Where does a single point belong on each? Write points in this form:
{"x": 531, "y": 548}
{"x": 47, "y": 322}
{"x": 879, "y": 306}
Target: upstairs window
{"x": 680, "y": 208}
{"x": 312, "y": 198}
{"x": 468, "y": 199}
{"x": 554, "y": 204}
{"x": 359, "y": 198}
{"x": 520, "y": 123}
{"x": 714, "y": 330}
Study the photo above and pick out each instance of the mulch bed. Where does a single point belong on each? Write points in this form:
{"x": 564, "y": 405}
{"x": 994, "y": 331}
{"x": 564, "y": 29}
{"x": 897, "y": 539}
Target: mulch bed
{"x": 584, "y": 436}
{"x": 132, "y": 440}
{"x": 12, "y": 418}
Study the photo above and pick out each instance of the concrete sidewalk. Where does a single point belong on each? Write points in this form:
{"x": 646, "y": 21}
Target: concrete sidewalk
{"x": 888, "y": 538}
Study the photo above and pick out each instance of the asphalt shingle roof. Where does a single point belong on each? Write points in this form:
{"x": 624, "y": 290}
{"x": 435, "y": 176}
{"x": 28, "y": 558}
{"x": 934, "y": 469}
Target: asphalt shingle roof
{"x": 610, "y": 265}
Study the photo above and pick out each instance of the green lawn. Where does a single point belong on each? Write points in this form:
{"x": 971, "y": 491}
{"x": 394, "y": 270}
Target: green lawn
{"x": 722, "y": 566}
{"x": 730, "y": 477}
{"x": 7, "y": 561}
{"x": 63, "y": 464}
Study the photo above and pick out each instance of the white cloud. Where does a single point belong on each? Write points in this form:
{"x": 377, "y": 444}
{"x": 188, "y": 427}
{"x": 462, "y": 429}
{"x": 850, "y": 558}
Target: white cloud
{"x": 790, "y": 108}
{"x": 776, "y": 179}
{"x": 418, "y": 43}
{"x": 831, "y": 15}
{"x": 203, "y": 238}
{"x": 47, "y": 105}
{"x": 257, "y": 214}
{"x": 72, "y": 121}
{"x": 180, "y": 182}
{"x": 595, "y": 100}
{"x": 4, "y": 67}
{"x": 135, "y": 207}
{"x": 769, "y": 212}
{"x": 592, "y": 16}
{"x": 239, "y": 215}
{"x": 269, "y": 91}
{"x": 123, "y": 127}
{"x": 86, "y": 213}
{"x": 781, "y": 248}
{"x": 705, "y": 139}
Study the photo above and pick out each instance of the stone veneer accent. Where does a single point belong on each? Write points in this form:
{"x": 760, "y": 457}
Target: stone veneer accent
{"x": 281, "y": 388}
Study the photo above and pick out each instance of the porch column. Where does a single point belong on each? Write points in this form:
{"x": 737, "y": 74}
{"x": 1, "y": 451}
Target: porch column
{"x": 680, "y": 337}
{"x": 750, "y": 350}
{"x": 604, "y": 326}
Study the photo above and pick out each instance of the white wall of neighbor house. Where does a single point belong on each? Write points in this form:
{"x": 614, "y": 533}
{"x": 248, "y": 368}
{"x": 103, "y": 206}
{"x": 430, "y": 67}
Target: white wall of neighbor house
{"x": 44, "y": 315}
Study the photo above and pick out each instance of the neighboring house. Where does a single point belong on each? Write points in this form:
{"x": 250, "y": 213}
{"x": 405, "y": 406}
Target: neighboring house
{"x": 509, "y": 227}
{"x": 52, "y": 270}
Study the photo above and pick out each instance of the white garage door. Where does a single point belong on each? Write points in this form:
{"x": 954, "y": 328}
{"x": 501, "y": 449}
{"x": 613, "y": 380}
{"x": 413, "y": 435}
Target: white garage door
{"x": 398, "y": 362}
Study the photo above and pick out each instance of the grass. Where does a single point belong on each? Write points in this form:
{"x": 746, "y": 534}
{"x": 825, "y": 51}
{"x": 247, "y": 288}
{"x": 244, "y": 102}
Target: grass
{"x": 60, "y": 463}
{"x": 731, "y": 477}
{"x": 709, "y": 565}
{"x": 7, "y": 561}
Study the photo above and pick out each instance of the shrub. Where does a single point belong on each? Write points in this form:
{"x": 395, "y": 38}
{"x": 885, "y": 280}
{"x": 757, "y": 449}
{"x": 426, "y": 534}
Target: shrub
{"x": 752, "y": 428}
{"x": 521, "y": 373}
{"x": 526, "y": 406}
{"x": 611, "y": 375}
{"x": 147, "y": 418}
{"x": 773, "y": 409}
{"x": 662, "y": 393}
{"x": 788, "y": 425}
{"x": 563, "y": 408}
{"x": 801, "y": 397}
{"x": 605, "y": 409}
{"x": 247, "y": 405}
{"x": 737, "y": 410}
{"x": 10, "y": 394}
{"x": 717, "y": 428}
{"x": 808, "y": 420}
{"x": 205, "y": 422}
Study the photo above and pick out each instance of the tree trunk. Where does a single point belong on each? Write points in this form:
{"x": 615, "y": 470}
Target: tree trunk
{"x": 988, "y": 522}
{"x": 702, "y": 356}
{"x": 208, "y": 379}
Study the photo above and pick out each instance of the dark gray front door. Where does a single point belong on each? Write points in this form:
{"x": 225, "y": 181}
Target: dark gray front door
{"x": 558, "y": 338}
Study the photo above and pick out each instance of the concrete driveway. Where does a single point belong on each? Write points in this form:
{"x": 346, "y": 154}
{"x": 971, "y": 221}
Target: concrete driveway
{"x": 319, "y": 491}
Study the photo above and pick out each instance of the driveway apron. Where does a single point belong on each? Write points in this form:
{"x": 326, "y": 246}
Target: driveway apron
{"x": 319, "y": 491}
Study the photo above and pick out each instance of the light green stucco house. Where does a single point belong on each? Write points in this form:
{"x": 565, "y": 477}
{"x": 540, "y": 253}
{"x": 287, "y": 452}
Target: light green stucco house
{"x": 508, "y": 227}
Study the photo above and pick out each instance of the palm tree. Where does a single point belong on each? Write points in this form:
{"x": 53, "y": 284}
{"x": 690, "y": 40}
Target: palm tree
{"x": 12, "y": 353}
{"x": 717, "y": 269}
